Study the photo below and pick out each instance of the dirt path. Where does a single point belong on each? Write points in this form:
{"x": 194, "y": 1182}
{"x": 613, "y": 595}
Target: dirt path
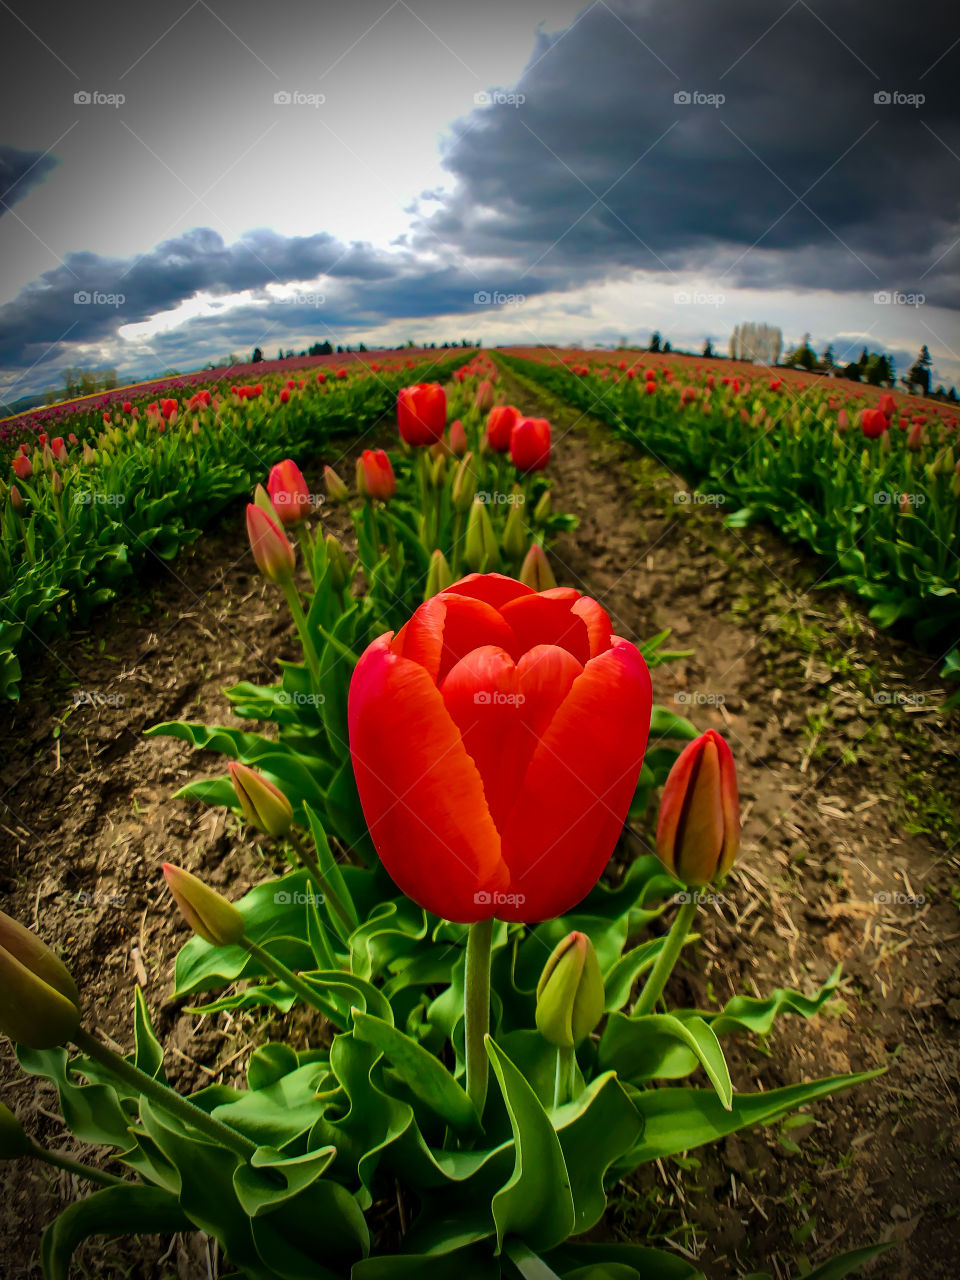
{"x": 789, "y": 677}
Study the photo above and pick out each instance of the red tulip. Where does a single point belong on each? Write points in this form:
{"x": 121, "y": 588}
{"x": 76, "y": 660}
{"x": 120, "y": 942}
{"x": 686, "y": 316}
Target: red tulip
{"x": 843, "y": 421}
{"x": 458, "y": 438}
{"x": 288, "y": 492}
{"x": 484, "y": 397}
{"x": 16, "y": 498}
{"x": 530, "y": 444}
{"x": 321, "y": 378}
{"x": 377, "y": 474}
{"x": 168, "y": 408}
{"x": 915, "y": 437}
{"x": 72, "y": 439}
{"x": 271, "y": 550}
{"x": 284, "y": 396}
{"x": 22, "y": 466}
{"x": 59, "y": 449}
{"x": 887, "y": 405}
{"x": 873, "y": 423}
{"x": 127, "y": 406}
{"x": 698, "y": 830}
{"x": 501, "y": 420}
{"x": 496, "y": 741}
{"x": 422, "y": 413}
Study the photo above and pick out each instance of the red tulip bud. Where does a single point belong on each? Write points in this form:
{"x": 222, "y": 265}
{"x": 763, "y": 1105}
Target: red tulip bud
{"x": 261, "y": 803}
{"x": 458, "y": 438}
{"x": 698, "y": 831}
{"x": 271, "y": 550}
{"x": 535, "y": 571}
{"x": 207, "y": 912}
{"x": 289, "y": 493}
{"x": 39, "y": 1001}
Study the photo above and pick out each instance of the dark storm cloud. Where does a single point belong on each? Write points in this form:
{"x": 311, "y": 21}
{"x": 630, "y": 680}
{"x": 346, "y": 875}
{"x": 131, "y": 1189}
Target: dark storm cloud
{"x": 799, "y": 178}
{"x": 19, "y": 171}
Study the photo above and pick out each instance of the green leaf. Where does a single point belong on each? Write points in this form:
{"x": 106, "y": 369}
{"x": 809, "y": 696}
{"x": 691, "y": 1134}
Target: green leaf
{"x": 597, "y": 1261}
{"x": 639, "y": 1049}
{"x": 258, "y": 1195}
{"x": 148, "y": 1052}
{"x": 536, "y": 1202}
{"x": 667, "y": 724}
{"x": 115, "y": 1211}
{"x": 842, "y": 1265}
{"x": 423, "y": 1073}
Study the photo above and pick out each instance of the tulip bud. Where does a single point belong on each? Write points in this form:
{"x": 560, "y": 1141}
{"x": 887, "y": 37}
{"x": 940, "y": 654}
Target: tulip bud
{"x": 541, "y": 512}
{"x": 439, "y": 576}
{"x": 289, "y": 493}
{"x": 481, "y": 542}
{"x": 915, "y": 437}
{"x": 514, "y": 540}
{"x": 207, "y": 912}
{"x": 13, "y": 1141}
{"x": 262, "y": 804}
{"x": 438, "y": 471}
{"x": 535, "y": 571}
{"x": 16, "y": 498}
{"x": 361, "y": 479}
{"x": 271, "y": 550}
{"x": 458, "y": 438}
{"x": 570, "y": 994}
{"x": 698, "y": 830}
{"x": 56, "y": 484}
{"x": 464, "y": 484}
{"x": 338, "y": 562}
{"x": 336, "y": 490}
{"x": 39, "y": 1001}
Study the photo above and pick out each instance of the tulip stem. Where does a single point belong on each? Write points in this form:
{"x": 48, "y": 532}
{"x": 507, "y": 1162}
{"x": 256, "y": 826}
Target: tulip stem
{"x": 292, "y": 980}
{"x": 308, "y": 549}
{"x": 163, "y": 1096}
{"x": 563, "y": 1084}
{"x": 348, "y": 919}
{"x": 75, "y": 1167}
{"x": 476, "y": 1010}
{"x": 667, "y": 958}
{"x": 300, "y": 622}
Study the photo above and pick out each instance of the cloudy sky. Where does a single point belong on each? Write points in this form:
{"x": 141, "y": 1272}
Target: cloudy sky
{"x": 184, "y": 180}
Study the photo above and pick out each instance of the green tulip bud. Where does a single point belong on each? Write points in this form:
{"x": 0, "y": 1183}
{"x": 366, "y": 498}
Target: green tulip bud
{"x": 541, "y": 512}
{"x": 535, "y": 571}
{"x": 39, "y": 1001}
{"x": 464, "y": 484}
{"x": 338, "y": 562}
{"x": 514, "y": 540}
{"x": 439, "y": 576}
{"x": 570, "y": 994}
{"x": 13, "y": 1141}
{"x": 481, "y": 542}
{"x": 207, "y": 912}
{"x": 261, "y": 803}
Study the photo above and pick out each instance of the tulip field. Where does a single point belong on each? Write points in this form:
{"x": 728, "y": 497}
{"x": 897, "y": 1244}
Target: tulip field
{"x": 480, "y": 815}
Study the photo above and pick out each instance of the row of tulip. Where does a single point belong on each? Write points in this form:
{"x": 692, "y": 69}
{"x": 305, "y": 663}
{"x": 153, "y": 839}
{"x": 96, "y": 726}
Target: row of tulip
{"x": 870, "y": 481}
{"x": 79, "y": 512}
{"x": 447, "y": 783}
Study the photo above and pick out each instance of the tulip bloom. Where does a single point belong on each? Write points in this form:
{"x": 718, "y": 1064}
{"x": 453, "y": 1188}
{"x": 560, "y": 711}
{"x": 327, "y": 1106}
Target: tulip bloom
{"x": 873, "y": 423}
{"x": 422, "y": 413}
{"x": 501, "y": 420}
{"x": 497, "y": 739}
{"x": 887, "y": 405}
{"x": 377, "y": 475}
{"x": 698, "y": 830}
{"x": 271, "y": 550}
{"x": 22, "y": 466}
{"x": 530, "y": 444}
{"x": 288, "y": 492}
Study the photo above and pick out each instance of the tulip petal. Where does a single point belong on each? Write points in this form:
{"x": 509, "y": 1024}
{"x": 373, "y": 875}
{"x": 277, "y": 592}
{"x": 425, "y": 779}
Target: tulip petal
{"x": 598, "y": 623}
{"x": 481, "y": 693}
{"x": 577, "y": 789}
{"x": 493, "y": 588}
{"x": 546, "y": 675}
{"x": 536, "y": 619}
{"x": 420, "y": 791}
{"x": 697, "y": 851}
{"x": 446, "y": 628}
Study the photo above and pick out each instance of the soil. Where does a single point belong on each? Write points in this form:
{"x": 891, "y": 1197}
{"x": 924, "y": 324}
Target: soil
{"x": 850, "y": 791}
